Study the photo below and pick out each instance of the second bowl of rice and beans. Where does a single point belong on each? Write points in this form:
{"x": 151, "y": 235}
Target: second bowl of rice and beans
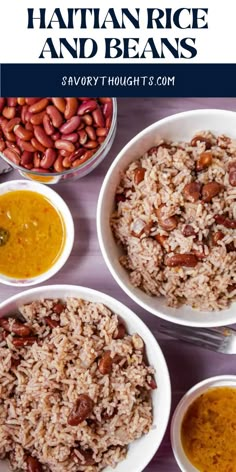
{"x": 167, "y": 218}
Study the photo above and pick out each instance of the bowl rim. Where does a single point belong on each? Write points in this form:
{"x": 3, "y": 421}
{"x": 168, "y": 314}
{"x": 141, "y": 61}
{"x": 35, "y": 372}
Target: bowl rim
{"x": 132, "y": 317}
{"x": 73, "y": 169}
{"x": 137, "y": 298}
{"x": 187, "y": 399}
{"x": 65, "y": 213}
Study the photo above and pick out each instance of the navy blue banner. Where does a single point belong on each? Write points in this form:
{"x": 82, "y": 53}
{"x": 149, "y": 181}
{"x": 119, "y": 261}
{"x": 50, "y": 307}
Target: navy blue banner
{"x": 119, "y": 80}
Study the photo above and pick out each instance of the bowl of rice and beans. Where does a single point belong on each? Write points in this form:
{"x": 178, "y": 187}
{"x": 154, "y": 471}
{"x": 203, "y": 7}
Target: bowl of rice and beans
{"x": 84, "y": 385}
{"x": 167, "y": 218}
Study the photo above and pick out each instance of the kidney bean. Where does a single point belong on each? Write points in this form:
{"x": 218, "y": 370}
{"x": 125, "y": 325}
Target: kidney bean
{"x": 105, "y": 99}
{"x": 59, "y": 103}
{"x": 73, "y": 137}
{"x": 232, "y": 165}
{"x": 83, "y": 137}
{"x": 87, "y": 454}
{"x": 58, "y": 308}
{"x": 91, "y": 144}
{"x": 99, "y": 118}
{"x": 105, "y": 363}
{"x": 2, "y": 144}
{"x": 70, "y": 125}
{"x": 58, "y": 164}
{"x": 224, "y": 221}
{"x": 15, "y": 326}
{"x": 12, "y": 155}
{"x": 87, "y": 107}
{"x": 29, "y": 166}
{"x": 37, "y": 159}
{"x": 101, "y": 132}
{"x": 188, "y": 230}
{"x": 87, "y": 119}
{"x": 33, "y": 465}
{"x": 37, "y": 118}
{"x": 101, "y": 139}
{"x": 11, "y": 124}
{"x": 77, "y": 154}
{"x": 24, "y": 111}
{"x": 85, "y": 157}
{"x": 27, "y": 341}
{"x": 91, "y": 133}
{"x": 232, "y": 177}
{"x": 64, "y": 153}
{"x": 204, "y": 161}
{"x": 11, "y": 101}
{"x": 25, "y": 145}
{"x": 66, "y": 162}
{"x": 55, "y": 116}
{"x": 230, "y": 247}
{"x": 48, "y": 126}
{"x": 120, "y": 331}
{"x": 31, "y": 100}
{"x": 55, "y": 136}
{"x": 21, "y": 101}
{"x": 26, "y": 158}
{"x": 51, "y": 323}
{"x": 108, "y": 109}
{"x": 192, "y": 191}
{"x": 201, "y": 139}
{"x": 217, "y": 236}
{"x": 42, "y": 137}
{"x": 14, "y": 147}
{"x": 48, "y": 159}
{"x": 152, "y": 383}
{"x": 168, "y": 224}
{"x": 181, "y": 260}
{"x": 81, "y": 410}
{"x": 231, "y": 288}
{"x": 139, "y": 174}
{"x": 64, "y": 144}
{"x": 71, "y": 108}
{"x": 2, "y": 103}
{"x": 37, "y": 145}
{"x": 29, "y": 126}
{"x": 9, "y": 112}
{"x": 23, "y": 133}
{"x": 108, "y": 122}
{"x": 38, "y": 106}
{"x": 211, "y": 190}
{"x": 10, "y": 136}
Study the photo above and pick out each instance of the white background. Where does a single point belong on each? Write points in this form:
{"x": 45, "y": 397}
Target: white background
{"x": 217, "y": 44}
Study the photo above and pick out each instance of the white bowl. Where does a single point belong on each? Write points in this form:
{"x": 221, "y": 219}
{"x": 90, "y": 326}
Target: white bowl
{"x": 142, "y": 450}
{"x": 181, "y": 126}
{"x": 62, "y": 209}
{"x": 180, "y": 456}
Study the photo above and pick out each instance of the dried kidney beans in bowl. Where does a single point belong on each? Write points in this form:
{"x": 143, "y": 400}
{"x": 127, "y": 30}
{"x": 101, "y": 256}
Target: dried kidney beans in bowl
{"x": 54, "y": 139}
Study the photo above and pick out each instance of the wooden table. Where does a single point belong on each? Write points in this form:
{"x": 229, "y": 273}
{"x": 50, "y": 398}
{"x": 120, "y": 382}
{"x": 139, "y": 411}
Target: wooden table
{"x": 187, "y": 364}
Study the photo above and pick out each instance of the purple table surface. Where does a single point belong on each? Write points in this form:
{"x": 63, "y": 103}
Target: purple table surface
{"x": 187, "y": 364}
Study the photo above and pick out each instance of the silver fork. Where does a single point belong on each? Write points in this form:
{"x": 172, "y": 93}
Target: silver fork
{"x": 216, "y": 339}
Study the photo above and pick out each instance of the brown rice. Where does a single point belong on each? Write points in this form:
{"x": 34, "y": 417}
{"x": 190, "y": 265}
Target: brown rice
{"x": 157, "y": 183}
{"x": 40, "y": 384}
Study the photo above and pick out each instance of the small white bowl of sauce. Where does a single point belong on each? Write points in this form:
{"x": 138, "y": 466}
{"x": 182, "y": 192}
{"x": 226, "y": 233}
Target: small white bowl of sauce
{"x": 36, "y": 233}
{"x": 203, "y": 427}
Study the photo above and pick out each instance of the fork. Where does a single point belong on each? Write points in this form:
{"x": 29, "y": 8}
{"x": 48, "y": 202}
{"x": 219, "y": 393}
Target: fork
{"x": 216, "y": 339}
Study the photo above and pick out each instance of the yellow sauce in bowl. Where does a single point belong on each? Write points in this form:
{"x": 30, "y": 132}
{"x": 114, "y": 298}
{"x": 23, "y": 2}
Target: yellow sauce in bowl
{"x": 36, "y": 234}
{"x": 208, "y": 431}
